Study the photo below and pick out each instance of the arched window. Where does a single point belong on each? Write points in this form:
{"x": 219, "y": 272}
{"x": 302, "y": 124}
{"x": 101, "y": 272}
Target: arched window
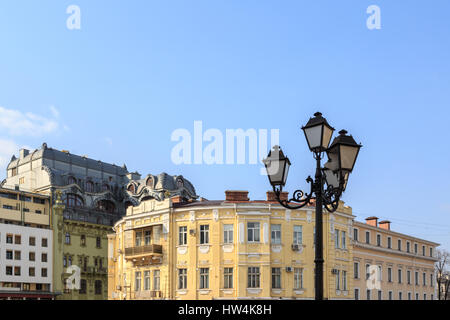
{"x": 74, "y": 201}
{"x": 150, "y": 182}
{"x": 72, "y": 180}
{"x": 107, "y": 206}
{"x": 180, "y": 183}
{"x": 89, "y": 186}
{"x": 131, "y": 188}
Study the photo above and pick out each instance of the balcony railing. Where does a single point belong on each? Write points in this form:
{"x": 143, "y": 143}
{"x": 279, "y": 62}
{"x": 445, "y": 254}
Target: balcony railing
{"x": 143, "y": 250}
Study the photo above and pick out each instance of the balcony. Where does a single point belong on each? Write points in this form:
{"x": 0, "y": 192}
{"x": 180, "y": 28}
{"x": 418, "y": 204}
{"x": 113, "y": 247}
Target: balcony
{"x": 150, "y": 254}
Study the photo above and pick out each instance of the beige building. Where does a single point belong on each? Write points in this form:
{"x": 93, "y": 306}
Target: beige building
{"x": 390, "y": 265}
{"x": 235, "y": 248}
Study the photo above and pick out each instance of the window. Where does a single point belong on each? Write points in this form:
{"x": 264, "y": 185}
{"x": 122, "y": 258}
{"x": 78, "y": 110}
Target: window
{"x": 336, "y": 238}
{"x": 204, "y": 234}
{"x": 356, "y": 294}
{"x": 138, "y": 239}
{"x": 416, "y": 278}
{"x": 147, "y": 237}
{"x": 253, "y": 231}
{"x": 400, "y": 295}
{"x": 44, "y": 243}
{"x": 67, "y": 241}
{"x": 424, "y": 278}
{"x": 431, "y": 252}
{"x": 344, "y": 240}
{"x": 146, "y": 280}
{"x": 137, "y": 281}
{"x": 355, "y": 235}
{"x": 25, "y": 198}
{"x": 338, "y": 280}
{"x": 399, "y": 245}
{"x": 275, "y": 233}
{"x": 417, "y": 296}
{"x": 367, "y": 271}
{"x": 424, "y": 296}
{"x": 89, "y": 186}
{"x": 72, "y": 180}
{"x": 380, "y": 273}
{"x": 432, "y": 297}
{"x": 298, "y": 278}
{"x": 9, "y": 255}
{"x": 379, "y": 240}
{"x": 390, "y": 295}
{"x": 98, "y": 242}
{"x": 228, "y": 278}
{"x": 227, "y": 233}
{"x": 204, "y": 278}
{"x": 65, "y": 262}
{"x": 44, "y": 272}
{"x": 408, "y": 245}
{"x": 276, "y": 278}
{"x": 368, "y": 294}
{"x": 17, "y": 239}
{"x": 32, "y": 241}
{"x": 83, "y": 286}
{"x": 17, "y": 255}
{"x": 389, "y": 274}
{"x": 182, "y": 235}
{"x": 9, "y": 239}
{"x": 253, "y": 277}
{"x": 31, "y": 256}
{"x": 408, "y": 277}
{"x": 182, "y": 279}
{"x": 98, "y": 287}
{"x": 32, "y": 272}
{"x": 74, "y": 201}
{"x": 416, "y": 250}
{"x": 83, "y": 240}
{"x": 17, "y": 271}
{"x": 409, "y": 296}
{"x": 44, "y": 257}
{"x": 106, "y": 206}
{"x": 389, "y": 243}
{"x": 356, "y": 270}
{"x": 9, "y": 271}
{"x": 367, "y": 237}
{"x": 298, "y": 235}
{"x": 38, "y": 200}
{"x": 344, "y": 280}
{"x": 380, "y": 295}
{"x": 399, "y": 275}
{"x": 156, "y": 279}
{"x": 70, "y": 260}
{"x": 423, "y": 251}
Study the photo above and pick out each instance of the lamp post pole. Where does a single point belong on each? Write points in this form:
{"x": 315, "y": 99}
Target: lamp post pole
{"x": 319, "y": 233}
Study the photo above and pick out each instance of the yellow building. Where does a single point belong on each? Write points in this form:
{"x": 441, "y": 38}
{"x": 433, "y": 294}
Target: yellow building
{"x": 398, "y": 266}
{"x": 176, "y": 248}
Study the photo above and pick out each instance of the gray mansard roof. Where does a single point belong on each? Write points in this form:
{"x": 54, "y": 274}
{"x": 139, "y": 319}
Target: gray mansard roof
{"x": 51, "y": 154}
{"x": 161, "y": 186}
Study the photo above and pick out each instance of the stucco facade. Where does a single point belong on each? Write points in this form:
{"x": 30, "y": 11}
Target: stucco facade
{"x": 232, "y": 249}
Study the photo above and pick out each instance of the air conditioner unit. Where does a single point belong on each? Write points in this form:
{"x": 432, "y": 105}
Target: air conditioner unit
{"x": 334, "y": 271}
{"x": 288, "y": 269}
{"x": 296, "y": 247}
{"x": 192, "y": 232}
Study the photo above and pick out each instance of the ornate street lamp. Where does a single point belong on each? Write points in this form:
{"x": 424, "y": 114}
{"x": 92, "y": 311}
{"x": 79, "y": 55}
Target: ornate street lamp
{"x": 341, "y": 155}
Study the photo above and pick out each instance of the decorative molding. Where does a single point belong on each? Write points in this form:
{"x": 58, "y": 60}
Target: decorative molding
{"x": 216, "y": 215}
{"x": 203, "y": 249}
{"x": 228, "y": 248}
{"x": 287, "y": 215}
{"x": 276, "y": 248}
{"x": 182, "y": 250}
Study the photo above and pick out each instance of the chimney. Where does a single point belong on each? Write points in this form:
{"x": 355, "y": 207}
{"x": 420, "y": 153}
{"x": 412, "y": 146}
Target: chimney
{"x": 236, "y": 195}
{"x": 386, "y": 225}
{"x": 372, "y": 221}
{"x": 177, "y": 199}
{"x": 272, "y": 198}
{"x": 24, "y": 153}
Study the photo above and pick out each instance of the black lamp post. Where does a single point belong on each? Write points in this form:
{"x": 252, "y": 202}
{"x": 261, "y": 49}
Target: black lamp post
{"x": 342, "y": 154}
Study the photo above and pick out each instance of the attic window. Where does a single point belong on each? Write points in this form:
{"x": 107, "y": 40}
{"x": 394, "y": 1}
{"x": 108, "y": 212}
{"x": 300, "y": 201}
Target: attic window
{"x": 150, "y": 182}
{"x": 180, "y": 183}
{"x": 131, "y": 188}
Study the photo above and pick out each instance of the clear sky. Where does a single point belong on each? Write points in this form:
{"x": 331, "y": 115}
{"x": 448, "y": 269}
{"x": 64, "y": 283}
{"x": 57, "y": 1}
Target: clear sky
{"x": 136, "y": 71}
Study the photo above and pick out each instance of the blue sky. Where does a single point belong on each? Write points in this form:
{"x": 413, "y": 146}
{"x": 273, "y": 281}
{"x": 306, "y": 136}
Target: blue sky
{"x": 136, "y": 71}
